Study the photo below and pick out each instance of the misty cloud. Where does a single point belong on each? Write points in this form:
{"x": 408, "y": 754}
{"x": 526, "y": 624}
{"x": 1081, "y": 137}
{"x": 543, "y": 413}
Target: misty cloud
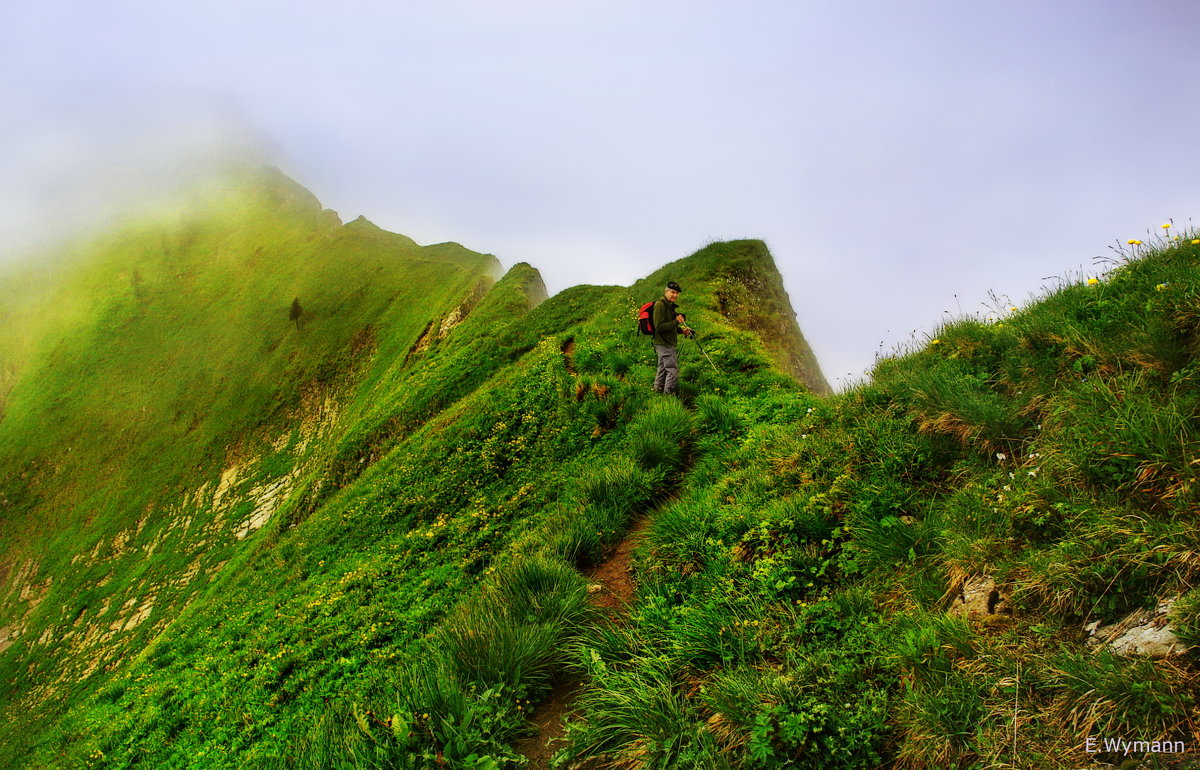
{"x": 79, "y": 166}
{"x": 892, "y": 156}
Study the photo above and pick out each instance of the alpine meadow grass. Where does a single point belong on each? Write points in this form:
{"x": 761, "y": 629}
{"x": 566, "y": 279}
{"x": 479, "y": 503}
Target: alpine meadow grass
{"x": 285, "y": 492}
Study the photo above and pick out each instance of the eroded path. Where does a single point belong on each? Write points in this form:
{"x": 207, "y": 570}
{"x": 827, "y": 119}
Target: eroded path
{"x": 612, "y": 585}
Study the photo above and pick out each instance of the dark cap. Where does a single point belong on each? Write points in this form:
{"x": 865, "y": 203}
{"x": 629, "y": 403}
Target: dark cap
{"x": 673, "y": 285}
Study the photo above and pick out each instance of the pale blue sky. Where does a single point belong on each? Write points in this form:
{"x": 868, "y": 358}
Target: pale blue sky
{"x": 892, "y": 155}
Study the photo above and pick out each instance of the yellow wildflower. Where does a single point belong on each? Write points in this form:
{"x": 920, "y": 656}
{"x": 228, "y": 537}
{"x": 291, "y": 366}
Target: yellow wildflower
{"x": 1093, "y": 281}
{"x": 1195, "y": 241}
{"x": 1160, "y": 287}
{"x": 936, "y": 342}
{"x": 1134, "y": 242}
{"x": 1166, "y": 226}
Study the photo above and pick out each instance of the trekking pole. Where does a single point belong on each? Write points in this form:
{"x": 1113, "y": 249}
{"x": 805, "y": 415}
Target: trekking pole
{"x": 692, "y": 337}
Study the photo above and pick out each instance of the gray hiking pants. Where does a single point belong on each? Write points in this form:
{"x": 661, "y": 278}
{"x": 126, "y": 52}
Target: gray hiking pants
{"x": 667, "y": 378}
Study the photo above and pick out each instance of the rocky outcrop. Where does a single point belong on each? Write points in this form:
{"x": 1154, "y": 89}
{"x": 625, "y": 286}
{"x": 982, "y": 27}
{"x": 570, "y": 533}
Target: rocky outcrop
{"x": 1147, "y": 633}
{"x": 749, "y": 291}
{"x": 24, "y": 589}
{"x": 978, "y": 598}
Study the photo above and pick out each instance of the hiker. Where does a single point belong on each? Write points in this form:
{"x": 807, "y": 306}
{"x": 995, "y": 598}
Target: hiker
{"x": 668, "y": 323}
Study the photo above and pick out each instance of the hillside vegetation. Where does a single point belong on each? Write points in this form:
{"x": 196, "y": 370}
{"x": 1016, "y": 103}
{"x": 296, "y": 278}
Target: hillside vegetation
{"x": 359, "y": 534}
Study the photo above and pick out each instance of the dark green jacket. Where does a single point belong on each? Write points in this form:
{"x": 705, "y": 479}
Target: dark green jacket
{"x": 666, "y": 328}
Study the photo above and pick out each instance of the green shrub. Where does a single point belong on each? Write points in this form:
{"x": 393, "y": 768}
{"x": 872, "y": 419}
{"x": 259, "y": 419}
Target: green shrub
{"x": 576, "y": 541}
{"x": 513, "y": 634}
{"x": 888, "y": 542}
{"x": 618, "y": 488}
{"x": 666, "y": 417}
{"x": 538, "y": 589}
{"x": 607, "y": 645}
{"x": 827, "y": 715}
{"x": 689, "y": 389}
{"x": 1185, "y": 615}
{"x": 487, "y": 647}
{"x": 429, "y": 686}
{"x": 792, "y": 520}
{"x": 431, "y": 724}
{"x": 653, "y": 450}
{"x": 435, "y": 720}
{"x": 941, "y": 726}
{"x": 639, "y": 716}
{"x": 1109, "y": 695}
{"x": 1127, "y": 436}
{"x": 717, "y": 417}
{"x": 926, "y": 648}
{"x": 683, "y": 529}
{"x": 335, "y": 740}
{"x": 605, "y": 412}
{"x": 953, "y": 399}
{"x": 1100, "y": 571}
{"x": 978, "y": 531}
{"x": 618, "y": 362}
{"x": 714, "y": 633}
{"x": 791, "y": 548}
{"x": 610, "y": 496}
{"x": 736, "y": 696}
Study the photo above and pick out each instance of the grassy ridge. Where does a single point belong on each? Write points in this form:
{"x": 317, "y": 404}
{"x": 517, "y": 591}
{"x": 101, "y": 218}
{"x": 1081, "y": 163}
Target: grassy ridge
{"x": 171, "y": 397}
{"x": 436, "y": 475}
{"x": 344, "y": 479}
{"x": 187, "y": 340}
{"x": 794, "y": 600}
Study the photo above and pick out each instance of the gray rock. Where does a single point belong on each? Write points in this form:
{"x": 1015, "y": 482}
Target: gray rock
{"x": 1144, "y": 632}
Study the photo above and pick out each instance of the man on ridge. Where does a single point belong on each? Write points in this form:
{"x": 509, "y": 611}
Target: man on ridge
{"x": 668, "y": 323}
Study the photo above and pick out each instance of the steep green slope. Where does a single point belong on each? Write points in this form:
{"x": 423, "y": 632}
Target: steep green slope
{"x": 382, "y": 560}
{"x": 739, "y": 280}
{"x": 161, "y": 401}
{"x": 224, "y": 515}
{"x": 915, "y": 572}
{"x": 185, "y": 339}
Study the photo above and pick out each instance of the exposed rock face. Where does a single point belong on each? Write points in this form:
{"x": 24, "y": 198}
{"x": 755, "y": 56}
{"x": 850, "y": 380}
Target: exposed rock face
{"x": 1143, "y": 632}
{"x": 751, "y": 293}
{"x": 22, "y": 588}
{"x": 979, "y": 598}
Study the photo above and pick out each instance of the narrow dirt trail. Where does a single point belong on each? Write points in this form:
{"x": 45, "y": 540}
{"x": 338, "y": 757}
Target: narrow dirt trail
{"x": 612, "y": 586}
{"x": 568, "y": 351}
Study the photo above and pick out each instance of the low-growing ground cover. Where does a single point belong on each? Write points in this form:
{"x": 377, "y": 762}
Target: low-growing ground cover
{"x": 793, "y": 607}
{"x": 343, "y": 525}
{"x": 375, "y": 557}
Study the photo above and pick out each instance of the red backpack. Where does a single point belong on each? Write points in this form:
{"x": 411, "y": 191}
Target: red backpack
{"x": 646, "y": 318}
